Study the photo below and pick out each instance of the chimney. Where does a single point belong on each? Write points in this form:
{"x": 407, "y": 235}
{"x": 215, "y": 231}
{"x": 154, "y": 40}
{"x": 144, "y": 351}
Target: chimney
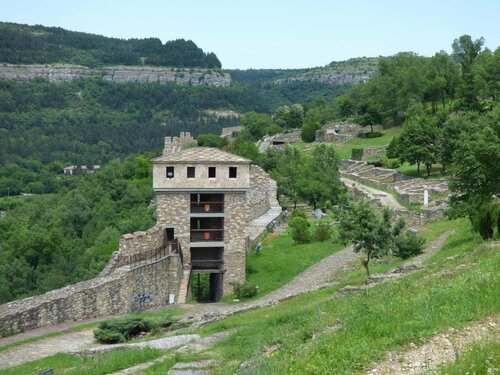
{"x": 167, "y": 148}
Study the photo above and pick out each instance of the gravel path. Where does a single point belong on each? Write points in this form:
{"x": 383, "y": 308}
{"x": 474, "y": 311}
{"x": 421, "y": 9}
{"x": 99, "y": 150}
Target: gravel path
{"x": 440, "y": 349}
{"x": 386, "y": 198}
{"x": 314, "y": 278}
{"x": 69, "y": 342}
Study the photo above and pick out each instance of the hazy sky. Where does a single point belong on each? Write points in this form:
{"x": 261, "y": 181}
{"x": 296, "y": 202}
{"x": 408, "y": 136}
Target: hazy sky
{"x": 276, "y": 33}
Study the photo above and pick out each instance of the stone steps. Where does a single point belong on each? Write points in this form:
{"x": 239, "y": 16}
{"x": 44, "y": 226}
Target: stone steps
{"x": 201, "y": 367}
{"x": 183, "y": 287}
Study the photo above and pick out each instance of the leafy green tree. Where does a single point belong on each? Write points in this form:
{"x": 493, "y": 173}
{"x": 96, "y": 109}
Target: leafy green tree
{"x": 320, "y": 177}
{"x": 256, "y": 124}
{"x": 369, "y": 233}
{"x": 419, "y": 142}
{"x": 211, "y": 140}
{"x": 465, "y": 51}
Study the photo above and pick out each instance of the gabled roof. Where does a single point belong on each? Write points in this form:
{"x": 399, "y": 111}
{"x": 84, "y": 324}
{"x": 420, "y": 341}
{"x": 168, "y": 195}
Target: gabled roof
{"x": 201, "y": 155}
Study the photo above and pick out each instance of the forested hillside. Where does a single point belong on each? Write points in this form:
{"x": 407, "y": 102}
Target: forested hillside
{"x": 23, "y": 44}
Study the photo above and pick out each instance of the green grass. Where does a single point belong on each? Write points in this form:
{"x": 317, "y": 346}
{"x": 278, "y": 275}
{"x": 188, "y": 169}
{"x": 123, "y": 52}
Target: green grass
{"x": 282, "y": 259}
{"x": 482, "y": 358}
{"x": 344, "y": 149}
{"x": 411, "y": 170}
{"x": 387, "y": 317}
{"x": 105, "y": 363}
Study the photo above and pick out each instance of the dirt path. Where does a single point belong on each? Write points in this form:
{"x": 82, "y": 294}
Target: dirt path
{"x": 314, "y": 278}
{"x": 440, "y": 349}
{"x": 386, "y": 198}
{"x": 69, "y": 342}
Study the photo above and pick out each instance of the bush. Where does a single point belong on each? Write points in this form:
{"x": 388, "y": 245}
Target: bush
{"x": 123, "y": 329}
{"x": 297, "y": 213}
{"x": 370, "y": 135}
{"x": 390, "y": 163}
{"x": 408, "y": 245}
{"x": 322, "y": 232}
{"x": 299, "y": 230}
{"x": 357, "y": 153}
{"x": 245, "y": 290}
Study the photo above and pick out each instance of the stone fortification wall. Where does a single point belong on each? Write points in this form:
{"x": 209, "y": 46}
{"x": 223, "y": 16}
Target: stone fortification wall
{"x": 149, "y": 244}
{"x": 125, "y": 291}
{"x": 120, "y": 74}
{"x": 262, "y": 194}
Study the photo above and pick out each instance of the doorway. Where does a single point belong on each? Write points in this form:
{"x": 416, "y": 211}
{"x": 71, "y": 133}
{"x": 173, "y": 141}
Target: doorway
{"x": 206, "y": 287}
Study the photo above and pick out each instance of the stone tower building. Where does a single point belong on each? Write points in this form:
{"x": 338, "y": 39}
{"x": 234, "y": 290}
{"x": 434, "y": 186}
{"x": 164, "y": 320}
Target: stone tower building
{"x": 202, "y": 198}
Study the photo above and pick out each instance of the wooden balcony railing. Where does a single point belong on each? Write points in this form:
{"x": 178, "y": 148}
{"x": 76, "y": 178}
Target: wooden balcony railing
{"x": 207, "y": 207}
{"x": 201, "y": 235}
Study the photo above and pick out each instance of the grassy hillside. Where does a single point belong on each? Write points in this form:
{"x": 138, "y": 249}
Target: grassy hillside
{"x": 319, "y": 334}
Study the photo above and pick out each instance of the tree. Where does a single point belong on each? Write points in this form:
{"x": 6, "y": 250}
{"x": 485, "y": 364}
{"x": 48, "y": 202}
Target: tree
{"x": 419, "y": 142}
{"x": 320, "y": 178}
{"x": 465, "y": 51}
{"x": 370, "y": 234}
{"x": 475, "y": 180}
{"x": 288, "y": 173}
{"x": 211, "y": 140}
{"x": 256, "y": 124}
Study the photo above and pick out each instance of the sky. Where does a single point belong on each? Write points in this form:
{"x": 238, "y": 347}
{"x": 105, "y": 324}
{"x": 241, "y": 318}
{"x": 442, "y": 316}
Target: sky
{"x": 276, "y": 33}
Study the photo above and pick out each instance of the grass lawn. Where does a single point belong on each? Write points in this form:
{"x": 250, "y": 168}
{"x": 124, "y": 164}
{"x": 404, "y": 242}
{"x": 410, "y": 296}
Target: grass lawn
{"x": 282, "y": 259}
{"x": 105, "y": 363}
{"x": 344, "y": 149}
{"x": 387, "y": 317}
{"x": 411, "y": 170}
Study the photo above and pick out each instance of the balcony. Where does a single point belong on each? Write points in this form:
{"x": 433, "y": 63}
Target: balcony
{"x": 207, "y": 207}
{"x": 207, "y": 203}
{"x": 207, "y": 235}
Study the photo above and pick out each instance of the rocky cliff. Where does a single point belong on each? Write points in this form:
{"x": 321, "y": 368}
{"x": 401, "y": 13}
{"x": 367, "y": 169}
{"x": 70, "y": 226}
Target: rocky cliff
{"x": 119, "y": 74}
{"x": 332, "y": 78}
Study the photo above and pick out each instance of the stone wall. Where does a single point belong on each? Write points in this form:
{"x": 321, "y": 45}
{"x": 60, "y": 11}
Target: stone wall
{"x": 58, "y": 73}
{"x": 262, "y": 193}
{"x": 125, "y": 291}
{"x": 173, "y": 212}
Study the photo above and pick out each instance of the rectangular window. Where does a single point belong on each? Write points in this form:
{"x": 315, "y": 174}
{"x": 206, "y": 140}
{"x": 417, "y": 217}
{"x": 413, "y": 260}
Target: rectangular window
{"x": 170, "y": 172}
{"x": 211, "y": 172}
{"x": 233, "y": 172}
{"x": 190, "y": 172}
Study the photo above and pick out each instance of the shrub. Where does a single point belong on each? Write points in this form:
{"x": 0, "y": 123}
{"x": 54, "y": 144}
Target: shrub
{"x": 374, "y": 134}
{"x": 357, "y": 153}
{"x": 296, "y": 213}
{"x": 245, "y": 290}
{"x": 122, "y": 329}
{"x": 322, "y": 232}
{"x": 408, "y": 245}
{"x": 299, "y": 230}
{"x": 390, "y": 163}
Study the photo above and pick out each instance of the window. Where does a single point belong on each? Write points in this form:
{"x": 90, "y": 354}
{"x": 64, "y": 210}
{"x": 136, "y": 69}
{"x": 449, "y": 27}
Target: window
{"x": 233, "y": 172}
{"x": 190, "y": 172}
{"x": 170, "y": 172}
{"x": 211, "y": 172}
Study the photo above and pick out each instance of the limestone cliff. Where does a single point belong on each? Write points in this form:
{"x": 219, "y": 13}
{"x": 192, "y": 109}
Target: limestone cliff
{"x": 332, "y": 78}
{"x": 120, "y": 74}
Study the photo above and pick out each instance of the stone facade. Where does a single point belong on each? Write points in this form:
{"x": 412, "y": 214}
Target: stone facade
{"x": 58, "y": 73}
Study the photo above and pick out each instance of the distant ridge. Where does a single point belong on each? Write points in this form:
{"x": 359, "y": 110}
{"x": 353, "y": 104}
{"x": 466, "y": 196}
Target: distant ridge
{"x": 24, "y": 44}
